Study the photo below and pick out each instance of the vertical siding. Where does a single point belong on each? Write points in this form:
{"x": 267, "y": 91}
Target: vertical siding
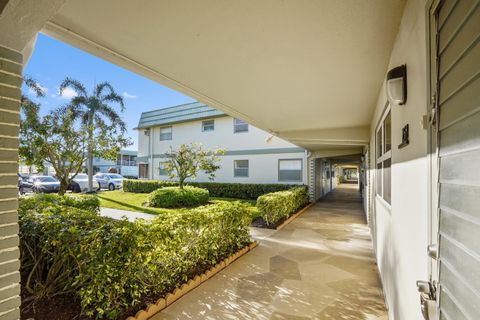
{"x": 10, "y": 83}
{"x": 459, "y": 102}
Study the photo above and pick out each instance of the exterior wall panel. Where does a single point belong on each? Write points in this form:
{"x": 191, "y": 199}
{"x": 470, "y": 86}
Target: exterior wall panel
{"x": 400, "y": 229}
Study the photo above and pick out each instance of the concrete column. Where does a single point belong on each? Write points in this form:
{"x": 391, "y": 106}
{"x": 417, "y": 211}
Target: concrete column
{"x": 10, "y": 83}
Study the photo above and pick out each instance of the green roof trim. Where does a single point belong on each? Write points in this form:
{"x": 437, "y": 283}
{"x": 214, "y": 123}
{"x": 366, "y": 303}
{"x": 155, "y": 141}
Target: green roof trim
{"x": 176, "y": 114}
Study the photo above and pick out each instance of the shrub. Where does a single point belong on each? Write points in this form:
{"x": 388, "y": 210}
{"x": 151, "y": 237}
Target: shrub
{"x": 42, "y": 200}
{"x": 110, "y": 264}
{"x": 174, "y": 197}
{"x": 278, "y": 205}
{"x": 145, "y": 186}
{"x": 217, "y": 189}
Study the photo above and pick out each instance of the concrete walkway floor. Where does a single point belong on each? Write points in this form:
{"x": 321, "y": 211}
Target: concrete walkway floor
{"x": 320, "y": 266}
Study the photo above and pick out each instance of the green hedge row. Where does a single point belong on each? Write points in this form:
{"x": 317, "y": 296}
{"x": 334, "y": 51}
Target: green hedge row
{"x": 217, "y": 189}
{"x": 109, "y": 265}
{"x": 174, "y": 197}
{"x": 42, "y": 200}
{"x": 278, "y": 205}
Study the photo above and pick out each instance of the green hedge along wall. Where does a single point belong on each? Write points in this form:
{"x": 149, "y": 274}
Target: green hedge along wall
{"x": 217, "y": 189}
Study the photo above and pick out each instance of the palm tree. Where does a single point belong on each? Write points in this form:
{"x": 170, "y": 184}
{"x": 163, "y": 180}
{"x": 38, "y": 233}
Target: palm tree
{"x": 95, "y": 112}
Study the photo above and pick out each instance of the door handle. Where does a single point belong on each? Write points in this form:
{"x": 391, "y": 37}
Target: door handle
{"x": 428, "y": 303}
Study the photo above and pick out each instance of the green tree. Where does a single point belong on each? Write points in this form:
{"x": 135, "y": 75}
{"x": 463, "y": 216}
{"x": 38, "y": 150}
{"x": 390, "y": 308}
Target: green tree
{"x": 190, "y": 159}
{"x": 53, "y": 138}
{"x": 103, "y": 124}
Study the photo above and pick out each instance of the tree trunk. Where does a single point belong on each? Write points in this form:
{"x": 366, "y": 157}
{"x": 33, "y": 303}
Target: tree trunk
{"x": 90, "y": 156}
{"x": 63, "y": 187}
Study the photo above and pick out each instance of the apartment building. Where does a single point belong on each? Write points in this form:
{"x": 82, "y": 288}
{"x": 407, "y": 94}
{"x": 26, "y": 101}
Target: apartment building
{"x": 251, "y": 154}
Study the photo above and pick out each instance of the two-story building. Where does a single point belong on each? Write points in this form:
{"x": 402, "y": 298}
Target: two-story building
{"x": 252, "y": 155}
{"x": 125, "y": 164}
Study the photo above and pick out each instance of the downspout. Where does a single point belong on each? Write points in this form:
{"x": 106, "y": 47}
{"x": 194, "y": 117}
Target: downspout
{"x": 150, "y": 145}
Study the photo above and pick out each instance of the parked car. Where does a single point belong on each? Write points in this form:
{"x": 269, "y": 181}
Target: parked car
{"x": 110, "y": 181}
{"x": 80, "y": 183}
{"x": 24, "y": 185}
{"x": 44, "y": 184}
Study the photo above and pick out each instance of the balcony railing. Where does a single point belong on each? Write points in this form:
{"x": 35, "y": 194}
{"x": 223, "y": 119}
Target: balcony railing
{"x": 131, "y": 163}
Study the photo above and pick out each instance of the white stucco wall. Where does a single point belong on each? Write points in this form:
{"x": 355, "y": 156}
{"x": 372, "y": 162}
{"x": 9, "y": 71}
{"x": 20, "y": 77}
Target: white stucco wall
{"x": 263, "y": 156}
{"x": 223, "y": 136}
{"x": 263, "y": 168}
{"x": 401, "y": 229}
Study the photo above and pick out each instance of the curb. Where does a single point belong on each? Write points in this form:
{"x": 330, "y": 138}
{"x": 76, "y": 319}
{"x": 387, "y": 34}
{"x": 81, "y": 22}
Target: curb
{"x": 191, "y": 284}
{"x": 294, "y": 216}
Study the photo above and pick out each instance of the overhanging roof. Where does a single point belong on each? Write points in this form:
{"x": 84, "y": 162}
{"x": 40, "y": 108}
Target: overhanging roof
{"x": 177, "y": 114}
{"x": 282, "y": 65}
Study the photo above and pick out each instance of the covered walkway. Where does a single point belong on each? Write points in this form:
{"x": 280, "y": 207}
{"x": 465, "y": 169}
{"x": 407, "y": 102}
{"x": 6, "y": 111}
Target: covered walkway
{"x": 320, "y": 266}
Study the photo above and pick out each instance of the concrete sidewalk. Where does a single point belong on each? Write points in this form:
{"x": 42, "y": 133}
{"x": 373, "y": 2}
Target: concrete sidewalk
{"x": 121, "y": 214}
{"x": 320, "y": 266}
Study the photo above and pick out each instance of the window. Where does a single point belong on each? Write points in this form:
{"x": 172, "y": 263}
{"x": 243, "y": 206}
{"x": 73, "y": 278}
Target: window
{"x": 208, "y": 125}
{"x": 384, "y": 156}
{"x": 240, "y": 168}
{"x": 239, "y": 126}
{"x": 165, "y": 133}
{"x": 290, "y": 170}
{"x": 161, "y": 169}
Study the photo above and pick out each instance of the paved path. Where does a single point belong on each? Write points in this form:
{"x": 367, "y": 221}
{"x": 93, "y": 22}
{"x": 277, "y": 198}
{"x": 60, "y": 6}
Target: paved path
{"x": 320, "y": 266}
{"x": 120, "y": 214}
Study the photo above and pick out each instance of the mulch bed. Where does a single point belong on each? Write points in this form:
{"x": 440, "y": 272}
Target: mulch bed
{"x": 67, "y": 307}
{"x": 258, "y": 222}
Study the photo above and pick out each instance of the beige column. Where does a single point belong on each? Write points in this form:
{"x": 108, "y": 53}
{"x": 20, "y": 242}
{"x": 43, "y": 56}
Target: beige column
{"x": 10, "y": 82}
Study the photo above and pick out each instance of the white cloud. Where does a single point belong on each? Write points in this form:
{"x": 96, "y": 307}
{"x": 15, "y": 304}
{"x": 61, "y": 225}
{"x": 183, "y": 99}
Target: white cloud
{"x": 128, "y": 95}
{"x": 68, "y": 93}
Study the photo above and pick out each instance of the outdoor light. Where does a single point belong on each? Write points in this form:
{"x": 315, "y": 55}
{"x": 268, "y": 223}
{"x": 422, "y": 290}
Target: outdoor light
{"x": 269, "y": 139}
{"x": 397, "y": 85}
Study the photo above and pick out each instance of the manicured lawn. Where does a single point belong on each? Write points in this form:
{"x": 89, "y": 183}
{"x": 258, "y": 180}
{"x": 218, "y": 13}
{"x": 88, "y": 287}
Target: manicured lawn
{"x": 137, "y": 202}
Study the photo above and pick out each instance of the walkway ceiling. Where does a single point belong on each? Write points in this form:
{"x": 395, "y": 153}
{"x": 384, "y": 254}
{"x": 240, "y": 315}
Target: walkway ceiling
{"x": 292, "y": 67}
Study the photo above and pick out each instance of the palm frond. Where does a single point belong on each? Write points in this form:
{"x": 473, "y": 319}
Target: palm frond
{"x": 76, "y": 85}
{"x": 112, "y": 116}
{"x": 32, "y": 84}
{"x": 116, "y": 98}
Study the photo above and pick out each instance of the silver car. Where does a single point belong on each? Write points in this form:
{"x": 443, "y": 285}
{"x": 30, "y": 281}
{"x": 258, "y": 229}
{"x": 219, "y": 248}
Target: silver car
{"x": 80, "y": 183}
{"x": 44, "y": 184}
{"x": 110, "y": 181}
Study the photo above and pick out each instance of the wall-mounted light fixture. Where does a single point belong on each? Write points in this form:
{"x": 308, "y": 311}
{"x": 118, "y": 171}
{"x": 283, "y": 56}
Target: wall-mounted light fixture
{"x": 269, "y": 139}
{"x": 397, "y": 85}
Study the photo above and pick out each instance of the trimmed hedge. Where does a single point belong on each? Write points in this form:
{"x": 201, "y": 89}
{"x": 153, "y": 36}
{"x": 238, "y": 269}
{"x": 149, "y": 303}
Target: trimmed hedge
{"x": 246, "y": 191}
{"x": 278, "y": 205}
{"x": 174, "y": 197}
{"x": 42, "y": 200}
{"x": 110, "y": 265}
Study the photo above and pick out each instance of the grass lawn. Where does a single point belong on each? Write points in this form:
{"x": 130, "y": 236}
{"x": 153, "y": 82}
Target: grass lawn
{"x": 136, "y": 202}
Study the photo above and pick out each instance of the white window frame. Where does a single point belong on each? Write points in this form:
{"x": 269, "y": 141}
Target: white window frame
{"x": 290, "y": 180}
{"x": 208, "y": 125}
{"x": 237, "y": 123}
{"x": 171, "y": 133}
{"x": 235, "y": 168}
{"x": 385, "y": 155}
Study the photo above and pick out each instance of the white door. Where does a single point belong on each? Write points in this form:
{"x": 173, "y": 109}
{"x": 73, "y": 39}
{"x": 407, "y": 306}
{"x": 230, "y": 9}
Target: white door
{"x": 455, "y": 142}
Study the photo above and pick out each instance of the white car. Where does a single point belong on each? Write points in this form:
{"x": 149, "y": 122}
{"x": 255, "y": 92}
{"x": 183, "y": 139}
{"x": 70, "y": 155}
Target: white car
{"x": 110, "y": 181}
{"x": 80, "y": 183}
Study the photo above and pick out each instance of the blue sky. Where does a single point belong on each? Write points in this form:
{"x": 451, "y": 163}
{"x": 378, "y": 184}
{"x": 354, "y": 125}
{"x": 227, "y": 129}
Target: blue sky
{"x": 52, "y": 61}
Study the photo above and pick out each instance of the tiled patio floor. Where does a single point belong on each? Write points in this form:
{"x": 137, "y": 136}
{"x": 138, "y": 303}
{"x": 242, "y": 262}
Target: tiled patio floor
{"x": 320, "y": 266}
